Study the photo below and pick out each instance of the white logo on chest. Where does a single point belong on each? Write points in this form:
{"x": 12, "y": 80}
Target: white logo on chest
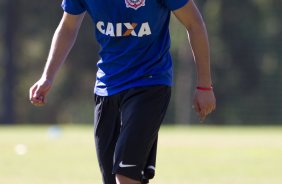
{"x": 135, "y": 4}
{"x": 124, "y": 29}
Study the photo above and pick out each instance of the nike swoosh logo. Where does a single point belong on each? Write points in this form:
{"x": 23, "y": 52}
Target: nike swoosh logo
{"x": 125, "y": 165}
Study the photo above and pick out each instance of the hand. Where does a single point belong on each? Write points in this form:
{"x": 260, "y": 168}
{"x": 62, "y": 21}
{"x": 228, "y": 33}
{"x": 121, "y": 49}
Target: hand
{"x": 38, "y": 92}
{"x": 204, "y": 103}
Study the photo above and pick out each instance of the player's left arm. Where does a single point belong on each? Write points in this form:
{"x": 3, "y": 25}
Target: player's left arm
{"x": 190, "y": 17}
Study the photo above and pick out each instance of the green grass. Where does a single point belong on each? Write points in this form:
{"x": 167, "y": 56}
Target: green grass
{"x": 186, "y": 155}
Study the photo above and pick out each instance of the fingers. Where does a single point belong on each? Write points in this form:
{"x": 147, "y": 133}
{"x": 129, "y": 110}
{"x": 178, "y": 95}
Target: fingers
{"x": 38, "y": 92}
{"x": 204, "y": 104}
{"x": 36, "y": 97}
{"x": 32, "y": 91}
{"x": 208, "y": 109}
{"x": 202, "y": 112}
{"x": 38, "y": 101}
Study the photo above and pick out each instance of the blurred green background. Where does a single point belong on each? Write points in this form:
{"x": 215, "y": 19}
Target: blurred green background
{"x": 246, "y": 47}
{"x": 246, "y": 50}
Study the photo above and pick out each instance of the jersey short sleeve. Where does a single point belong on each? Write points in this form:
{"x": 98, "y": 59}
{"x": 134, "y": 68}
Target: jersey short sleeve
{"x": 74, "y": 7}
{"x": 174, "y": 4}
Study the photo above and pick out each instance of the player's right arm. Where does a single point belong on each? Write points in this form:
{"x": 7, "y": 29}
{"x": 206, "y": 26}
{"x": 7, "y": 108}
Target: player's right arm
{"x": 62, "y": 42}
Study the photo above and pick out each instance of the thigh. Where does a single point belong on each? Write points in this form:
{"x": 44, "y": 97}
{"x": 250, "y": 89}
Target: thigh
{"x": 142, "y": 111}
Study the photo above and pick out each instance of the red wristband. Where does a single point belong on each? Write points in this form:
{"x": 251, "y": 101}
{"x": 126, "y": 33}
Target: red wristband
{"x": 204, "y": 89}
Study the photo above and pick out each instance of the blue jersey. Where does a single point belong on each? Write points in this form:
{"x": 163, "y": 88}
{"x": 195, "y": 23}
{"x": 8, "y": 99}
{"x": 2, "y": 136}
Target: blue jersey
{"x": 134, "y": 39}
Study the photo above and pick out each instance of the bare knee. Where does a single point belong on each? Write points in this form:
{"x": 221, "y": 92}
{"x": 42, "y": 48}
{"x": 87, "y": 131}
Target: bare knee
{"x": 120, "y": 179}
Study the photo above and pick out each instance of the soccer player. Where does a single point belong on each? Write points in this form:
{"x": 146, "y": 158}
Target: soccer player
{"x": 134, "y": 78}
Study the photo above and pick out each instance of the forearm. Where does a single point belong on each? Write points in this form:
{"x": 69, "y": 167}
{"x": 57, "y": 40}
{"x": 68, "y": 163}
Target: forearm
{"x": 191, "y": 18}
{"x": 61, "y": 45}
{"x": 201, "y": 52}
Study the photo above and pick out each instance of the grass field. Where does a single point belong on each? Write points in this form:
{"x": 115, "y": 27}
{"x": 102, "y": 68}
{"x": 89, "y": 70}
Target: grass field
{"x": 187, "y": 155}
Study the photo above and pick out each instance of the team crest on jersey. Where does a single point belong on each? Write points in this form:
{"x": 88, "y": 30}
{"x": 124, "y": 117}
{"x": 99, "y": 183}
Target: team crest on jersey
{"x": 135, "y": 4}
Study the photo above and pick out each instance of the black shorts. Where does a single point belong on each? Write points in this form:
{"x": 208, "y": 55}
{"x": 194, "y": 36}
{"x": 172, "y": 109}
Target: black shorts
{"x": 126, "y": 130}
